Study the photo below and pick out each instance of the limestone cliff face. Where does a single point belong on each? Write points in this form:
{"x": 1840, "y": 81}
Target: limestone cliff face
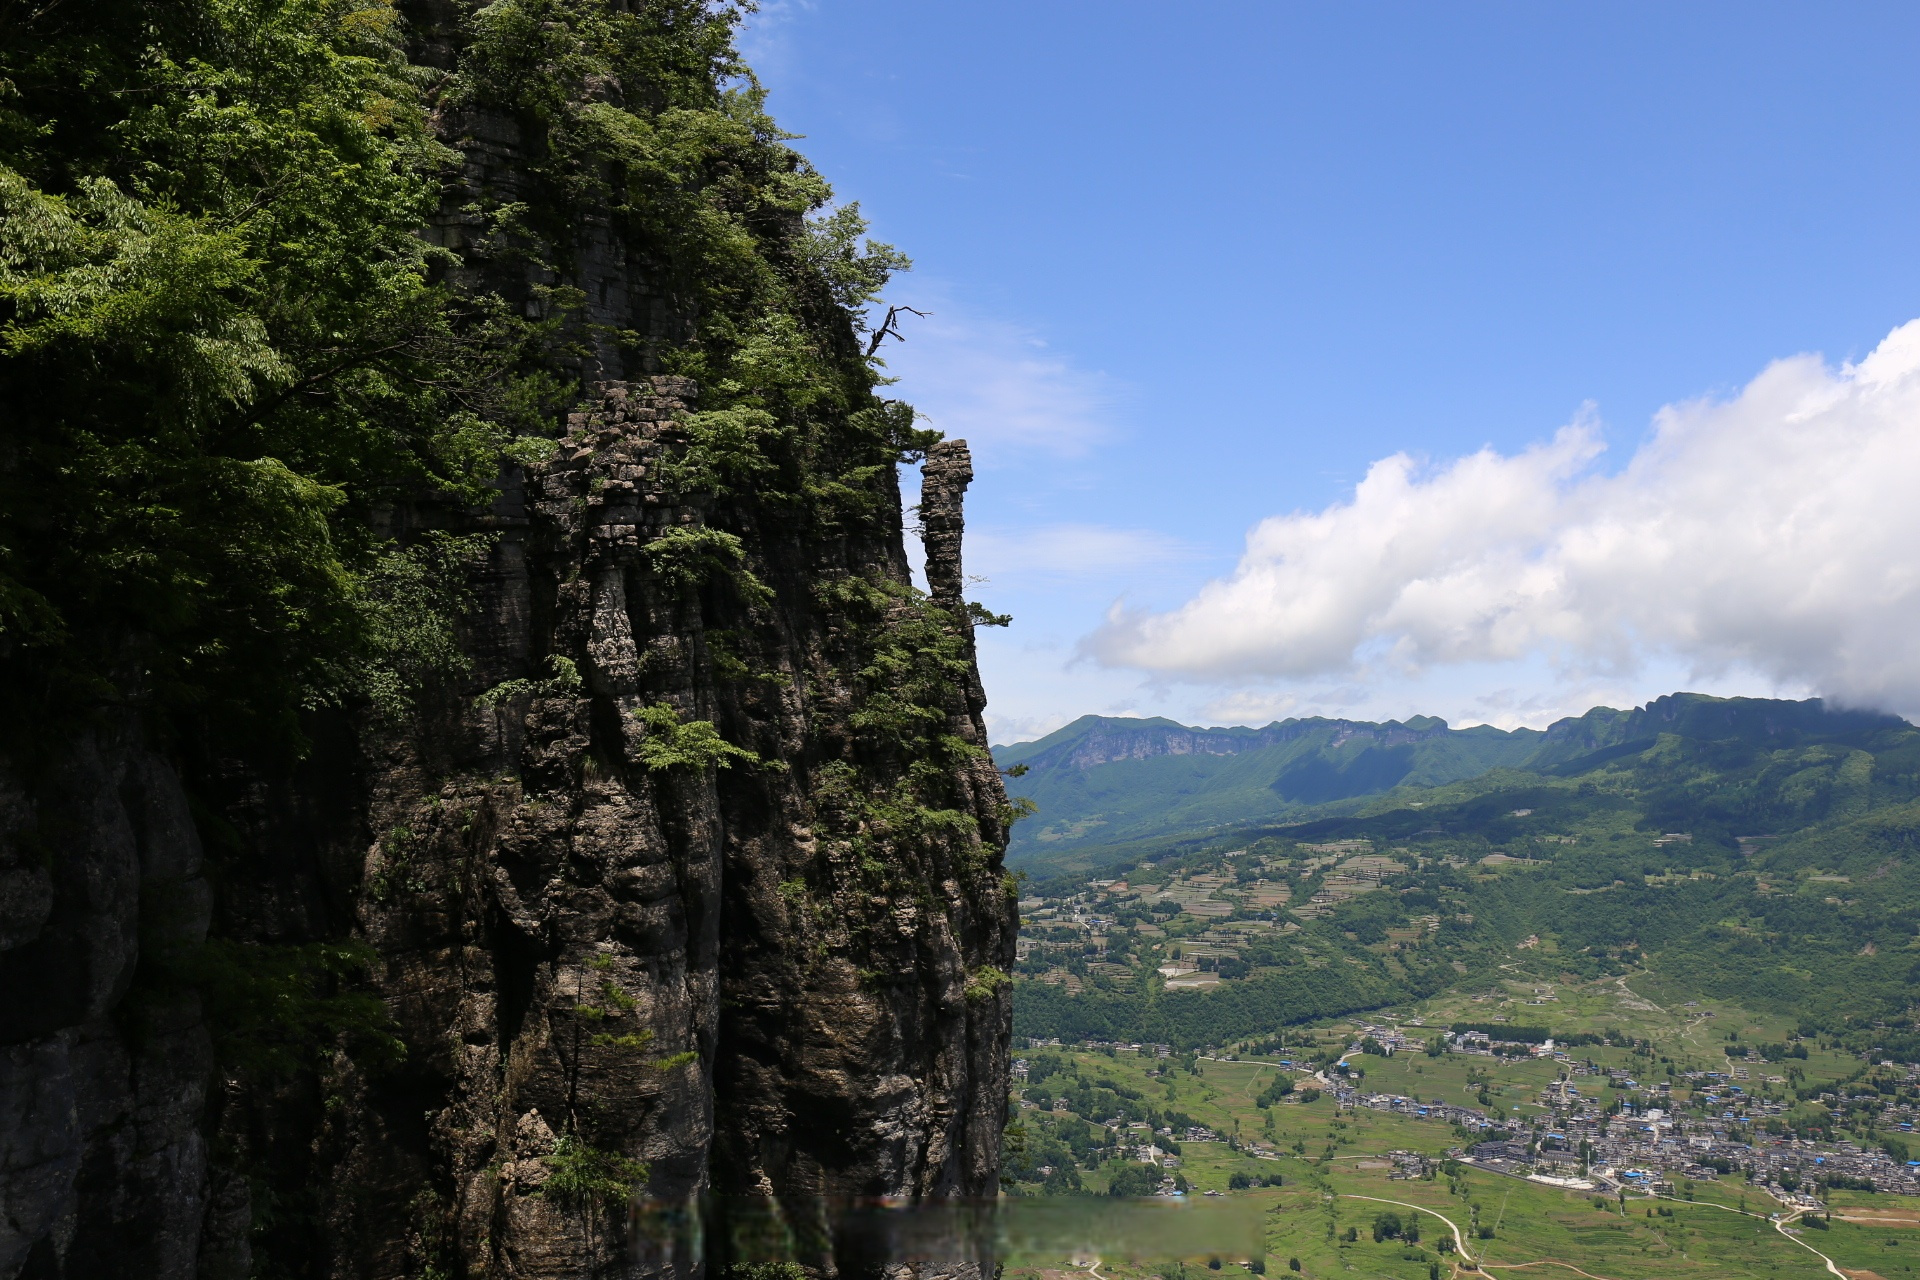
{"x": 826, "y": 926}
{"x": 692, "y": 881}
{"x": 753, "y": 978}
{"x": 726, "y": 972}
{"x": 103, "y": 1085}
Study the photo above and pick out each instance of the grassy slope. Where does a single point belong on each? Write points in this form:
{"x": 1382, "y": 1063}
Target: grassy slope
{"x": 1821, "y": 920}
{"x": 1087, "y": 816}
{"x": 1132, "y": 800}
{"x": 1324, "y": 1153}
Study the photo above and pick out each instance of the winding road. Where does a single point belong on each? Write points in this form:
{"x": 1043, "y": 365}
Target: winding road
{"x": 1459, "y": 1241}
{"x": 1779, "y": 1224}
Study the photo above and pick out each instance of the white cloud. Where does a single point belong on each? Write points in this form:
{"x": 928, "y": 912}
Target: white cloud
{"x": 996, "y": 384}
{"x": 1776, "y": 533}
{"x": 1004, "y": 731}
{"x": 1259, "y": 706}
{"x": 1077, "y": 549}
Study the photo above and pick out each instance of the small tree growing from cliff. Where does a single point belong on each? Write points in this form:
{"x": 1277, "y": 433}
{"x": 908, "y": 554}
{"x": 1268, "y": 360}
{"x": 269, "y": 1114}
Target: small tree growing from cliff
{"x": 586, "y": 1179}
{"x": 672, "y": 743}
{"x": 595, "y": 1012}
{"x": 590, "y": 1182}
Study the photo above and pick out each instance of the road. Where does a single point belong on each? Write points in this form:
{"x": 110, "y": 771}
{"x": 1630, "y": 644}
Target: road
{"x": 1459, "y": 1241}
{"x": 1321, "y": 1078}
{"x": 1779, "y": 1224}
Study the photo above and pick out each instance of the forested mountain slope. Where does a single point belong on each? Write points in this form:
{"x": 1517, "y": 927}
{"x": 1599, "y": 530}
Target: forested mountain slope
{"x": 474, "y": 752}
{"x": 1107, "y": 783}
{"x": 1742, "y": 849}
{"x": 1103, "y": 780}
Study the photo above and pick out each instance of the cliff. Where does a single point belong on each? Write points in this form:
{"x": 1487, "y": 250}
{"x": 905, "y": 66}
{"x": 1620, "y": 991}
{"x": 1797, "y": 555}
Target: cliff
{"x": 673, "y": 867}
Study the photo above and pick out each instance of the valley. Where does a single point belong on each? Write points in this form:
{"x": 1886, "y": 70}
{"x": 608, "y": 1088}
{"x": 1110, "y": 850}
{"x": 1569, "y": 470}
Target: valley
{"x": 1642, "y": 1010}
{"x": 1657, "y": 1152}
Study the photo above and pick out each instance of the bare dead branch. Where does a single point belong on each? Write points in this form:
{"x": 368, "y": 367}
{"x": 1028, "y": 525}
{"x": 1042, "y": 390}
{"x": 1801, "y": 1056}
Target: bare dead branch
{"x": 891, "y": 326}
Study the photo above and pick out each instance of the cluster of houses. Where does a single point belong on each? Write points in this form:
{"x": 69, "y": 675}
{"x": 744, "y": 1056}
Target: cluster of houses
{"x": 1616, "y": 1132}
{"x": 1146, "y": 1048}
{"x": 1580, "y": 1142}
{"x": 1443, "y": 1112}
{"x": 1600, "y": 1129}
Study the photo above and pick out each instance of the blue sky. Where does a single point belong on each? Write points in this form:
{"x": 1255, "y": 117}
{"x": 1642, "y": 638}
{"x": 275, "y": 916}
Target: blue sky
{"x": 1195, "y": 267}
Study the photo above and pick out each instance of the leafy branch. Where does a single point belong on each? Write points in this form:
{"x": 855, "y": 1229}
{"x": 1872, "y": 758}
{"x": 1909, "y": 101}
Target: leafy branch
{"x": 586, "y": 1177}
{"x": 684, "y": 558}
{"x": 981, "y": 616}
{"x": 565, "y": 678}
{"x": 672, "y": 743}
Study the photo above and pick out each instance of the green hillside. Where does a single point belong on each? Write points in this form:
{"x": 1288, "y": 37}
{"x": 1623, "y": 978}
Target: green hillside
{"x": 1104, "y": 781}
{"x": 1757, "y": 851}
{"x": 1107, "y": 788}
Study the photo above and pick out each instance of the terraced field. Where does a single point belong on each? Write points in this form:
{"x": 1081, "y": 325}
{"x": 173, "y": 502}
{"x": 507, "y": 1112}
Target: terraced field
{"x": 1337, "y": 1173}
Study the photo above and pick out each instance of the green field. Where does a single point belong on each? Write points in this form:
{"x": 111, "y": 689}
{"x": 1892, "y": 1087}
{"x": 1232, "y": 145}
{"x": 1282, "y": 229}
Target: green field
{"x": 1728, "y": 887}
{"x": 1334, "y": 1172}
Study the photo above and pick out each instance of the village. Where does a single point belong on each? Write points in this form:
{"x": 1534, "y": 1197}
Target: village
{"x": 1605, "y": 1115}
{"x": 1590, "y": 1129}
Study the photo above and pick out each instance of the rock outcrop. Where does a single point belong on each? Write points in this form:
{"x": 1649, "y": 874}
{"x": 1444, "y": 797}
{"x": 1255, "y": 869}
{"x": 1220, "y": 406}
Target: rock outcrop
{"x": 654, "y": 897}
{"x": 689, "y": 884}
{"x": 103, "y": 1077}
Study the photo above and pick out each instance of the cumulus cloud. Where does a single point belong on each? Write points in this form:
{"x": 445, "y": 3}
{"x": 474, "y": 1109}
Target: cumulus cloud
{"x": 1776, "y": 532}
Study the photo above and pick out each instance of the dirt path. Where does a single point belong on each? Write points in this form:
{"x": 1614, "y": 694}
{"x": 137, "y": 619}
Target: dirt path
{"x": 1633, "y": 999}
{"x": 1544, "y": 1262}
{"x": 1459, "y": 1241}
{"x": 1779, "y": 1224}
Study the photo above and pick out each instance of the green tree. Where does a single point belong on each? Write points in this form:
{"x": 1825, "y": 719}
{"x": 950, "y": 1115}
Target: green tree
{"x": 221, "y": 342}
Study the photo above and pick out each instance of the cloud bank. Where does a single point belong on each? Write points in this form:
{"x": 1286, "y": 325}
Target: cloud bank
{"x": 1776, "y": 533}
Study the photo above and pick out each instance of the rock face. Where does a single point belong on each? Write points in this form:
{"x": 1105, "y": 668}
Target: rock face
{"x": 691, "y": 882}
{"x": 656, "y": 896}
{"x": 103, "y": 1167}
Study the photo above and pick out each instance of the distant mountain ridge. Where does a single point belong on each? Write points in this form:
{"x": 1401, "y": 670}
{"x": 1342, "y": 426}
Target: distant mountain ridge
{"x": 1096, "y": 740}
{"x": 1776, "y": 721}
{"x": 1109, "y": 780}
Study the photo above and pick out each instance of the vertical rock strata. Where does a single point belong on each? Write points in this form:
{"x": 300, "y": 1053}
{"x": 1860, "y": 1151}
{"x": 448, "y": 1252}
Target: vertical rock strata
{"x": 744, "y": 972}
{"x": 693, "y": 881}
{"x": 103, "y": 1083}
{"x": 772, "y": 971}
{"x": 948, "y": 472}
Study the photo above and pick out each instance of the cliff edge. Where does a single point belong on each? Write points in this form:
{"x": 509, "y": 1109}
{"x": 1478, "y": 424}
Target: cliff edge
{"x": 647, "y": 855}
